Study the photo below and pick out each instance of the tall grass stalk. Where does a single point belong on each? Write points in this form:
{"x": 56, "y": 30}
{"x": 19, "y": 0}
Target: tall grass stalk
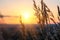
{"x": 43, "y": 14}
{"x": 23, "y": 29}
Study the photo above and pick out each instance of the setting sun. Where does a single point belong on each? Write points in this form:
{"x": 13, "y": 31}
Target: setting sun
{"x": 26, "y": 15}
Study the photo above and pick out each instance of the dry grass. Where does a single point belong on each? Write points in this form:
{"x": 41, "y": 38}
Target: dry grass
{"x": 43, "y": 14}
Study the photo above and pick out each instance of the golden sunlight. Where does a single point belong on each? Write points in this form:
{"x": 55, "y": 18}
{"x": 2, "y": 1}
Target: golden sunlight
{"x": 28, "y": 17}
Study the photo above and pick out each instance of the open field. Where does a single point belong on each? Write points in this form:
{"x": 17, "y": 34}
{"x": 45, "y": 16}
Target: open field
{"x": 32, "y": 32}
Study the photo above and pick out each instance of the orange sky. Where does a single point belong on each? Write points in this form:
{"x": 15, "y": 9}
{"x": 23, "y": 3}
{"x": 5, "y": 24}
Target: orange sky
{"x": 16, "y": 7}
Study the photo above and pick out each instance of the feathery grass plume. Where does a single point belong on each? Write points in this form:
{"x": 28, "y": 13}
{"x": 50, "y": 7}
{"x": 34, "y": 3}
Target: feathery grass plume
{"x": 45, "y": 18}
{"x": 37, "y": 12}
{"x": 46, "y": 12}
{"x": 42, "y": 17}
{"x": 58, "y": 13}
{"x": 23, "y": 29}
{"x": 58, "y": 10}
{"x": 38, "y": 15}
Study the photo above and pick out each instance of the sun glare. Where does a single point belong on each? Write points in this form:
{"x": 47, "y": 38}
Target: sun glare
{"x": 26, "y": 15}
